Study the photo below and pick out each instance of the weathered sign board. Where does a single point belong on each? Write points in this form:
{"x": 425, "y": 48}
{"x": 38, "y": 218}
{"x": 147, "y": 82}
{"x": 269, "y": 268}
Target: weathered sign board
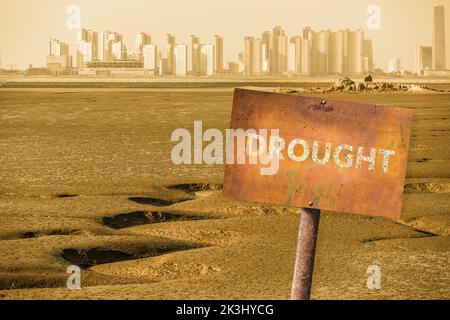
{"x": 336, "y": 155}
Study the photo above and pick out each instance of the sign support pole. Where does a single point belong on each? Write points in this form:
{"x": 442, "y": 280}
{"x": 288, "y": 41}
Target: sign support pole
{"x": 306, "y": 251}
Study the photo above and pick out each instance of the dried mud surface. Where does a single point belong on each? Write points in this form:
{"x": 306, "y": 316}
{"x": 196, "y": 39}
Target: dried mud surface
{"x": 86, "y": 179}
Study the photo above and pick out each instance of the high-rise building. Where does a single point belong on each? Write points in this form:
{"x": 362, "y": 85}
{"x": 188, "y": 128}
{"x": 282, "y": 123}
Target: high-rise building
{"x": 249, "y": 56}
{"x": 349, "y": 52}
{"x": 118, "y": 51}
{"x": 106, "y": 42}
{"x": 343, "y": 52}
{"x": 87, "y": 46}
{"x": 267, "y": 50}
{"x": 305, "y": 69}
{"x": 170, "y": 54}
{"x": 368, "y": 56}
{"x": 295, "y": 55}
{"x": 423, "y": 59}
{"x": 58, "y": 48}
{"x": 280, "y": 51}
{"x": 59, "y": 59}
{"x": 258, "y": 57}
{"x": 142, "y": 39}
{"x": 218, "y": 54}
{"x": 232, "y": 67}
{"x": 439, "y": 63}
{"x": 207, "y": 59}
{"x": 311, "y": 41}
{"x": 338, "y": 58}
{"x": 195, "y": 55}
{"x": 394, "y": 65}
{"x": 150, "y": 55}
{"x": 180, "y": 56}
{"x": 323, "y": 52}
{"x": 359, "y": 52}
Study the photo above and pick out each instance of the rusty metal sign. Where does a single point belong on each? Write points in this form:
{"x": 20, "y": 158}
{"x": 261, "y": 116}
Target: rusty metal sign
{"x": 330, "y": 155}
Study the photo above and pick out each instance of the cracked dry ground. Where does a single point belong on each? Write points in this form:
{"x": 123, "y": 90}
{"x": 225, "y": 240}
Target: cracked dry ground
{"x": 86, "y": 179}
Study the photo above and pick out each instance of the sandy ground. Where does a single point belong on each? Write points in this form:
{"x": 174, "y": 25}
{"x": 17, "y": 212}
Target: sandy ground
{"x": 86, "y": 179}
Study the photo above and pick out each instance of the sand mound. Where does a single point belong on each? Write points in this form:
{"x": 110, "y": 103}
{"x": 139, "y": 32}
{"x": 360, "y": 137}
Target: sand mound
{"x": 347, "y": 85}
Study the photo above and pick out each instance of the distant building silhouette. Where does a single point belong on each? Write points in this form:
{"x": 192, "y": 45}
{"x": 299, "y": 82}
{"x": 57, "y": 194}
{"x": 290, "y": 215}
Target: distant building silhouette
{"x": 423, "y": 60}
{"x": 59, "y": 60}
{"x": 439, "y": 39}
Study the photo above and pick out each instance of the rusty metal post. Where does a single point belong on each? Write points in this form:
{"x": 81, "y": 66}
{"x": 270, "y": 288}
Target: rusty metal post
{"x": 306, "y": 251}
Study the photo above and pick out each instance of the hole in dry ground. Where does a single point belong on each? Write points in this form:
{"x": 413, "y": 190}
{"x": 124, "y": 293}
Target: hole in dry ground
{"x": 196, "y": 187}
{"x": 57, "y": 232}
{"x": 157, "y": 202}
{"x": 137, "y": 218}
{"x": 62, "y": 196}
{"x": 86, "y": 258}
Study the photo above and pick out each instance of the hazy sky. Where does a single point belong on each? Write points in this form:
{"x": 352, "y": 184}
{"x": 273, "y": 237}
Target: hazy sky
{"x": 27, "y": 25}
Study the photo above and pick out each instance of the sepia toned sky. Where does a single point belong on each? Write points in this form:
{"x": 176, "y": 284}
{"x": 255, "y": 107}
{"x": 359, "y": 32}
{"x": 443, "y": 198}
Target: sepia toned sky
{"x": 27, "y": 25}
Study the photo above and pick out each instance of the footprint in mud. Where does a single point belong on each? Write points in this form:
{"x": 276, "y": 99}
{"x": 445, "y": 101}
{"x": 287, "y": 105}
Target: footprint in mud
{"x": 157, "y": 202}
{"x": 63, "y": 196}
{"x": 57, "y": 232}
{"x": 137, "y": 218}
{"x": 86, "y": 258}
{"x": 192, "y": 188}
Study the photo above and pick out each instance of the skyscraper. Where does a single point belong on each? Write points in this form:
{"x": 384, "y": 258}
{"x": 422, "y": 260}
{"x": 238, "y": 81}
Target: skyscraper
{"x": 118, "y": 51}
{"x": 394, "y": 65}
{"x": 439, "y": 63}
{"x": 170, "y": 54}
{"x": 59, "y": 59}
{"x": 106, "y": 41}
{"x": 368, "y": 56}
{"x": 249, "y": 56}
{"x": 194, "y": 59}
{"x": 142, "y": 39}
{"x": 323, "y": 52}
{"x": 150, "y": 55}
{"x": 306, "y": 57}
{"x": 359, "y": 52}
{"x": 349, "y": 52}
{"x": 180, "y": 56}
{"x": 310, "y": 40}
{"x": 207, "y": 59}
{"x": 87, "y": 46}
{"x": 58, "y": 48}
{"x": 218, "y": 54}
{"x": 295, "y": 55}
{"x": 280, "y": 51}
{"x": 338, "y": 58}
{"x": 267, "y": 49}
{"x": 423, "y": 60}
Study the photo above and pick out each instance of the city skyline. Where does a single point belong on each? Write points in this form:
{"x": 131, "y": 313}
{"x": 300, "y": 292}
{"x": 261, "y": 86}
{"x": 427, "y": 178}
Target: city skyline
{"x": 233, "y": 43}
{"x": 274, "y": 53}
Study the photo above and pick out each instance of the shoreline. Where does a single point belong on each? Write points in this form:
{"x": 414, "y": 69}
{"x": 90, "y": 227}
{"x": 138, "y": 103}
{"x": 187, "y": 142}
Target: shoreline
{"x": 192, "y": 83}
